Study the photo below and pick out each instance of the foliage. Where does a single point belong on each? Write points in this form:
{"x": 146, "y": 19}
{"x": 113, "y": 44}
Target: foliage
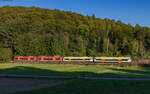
{"x": 42, "y": 32}
{"x": 5, "y": 54}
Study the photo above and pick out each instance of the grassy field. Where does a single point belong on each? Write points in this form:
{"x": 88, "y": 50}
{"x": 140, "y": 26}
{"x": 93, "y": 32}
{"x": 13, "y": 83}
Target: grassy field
{"x": 74, "y": 70}
{"x": 95, "y": 87}
{"x": 80, "y": 86}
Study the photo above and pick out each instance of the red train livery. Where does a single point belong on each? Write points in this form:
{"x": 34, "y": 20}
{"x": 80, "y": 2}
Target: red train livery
{"x": 38, "y": 59}
{"x": 49, "y": 58}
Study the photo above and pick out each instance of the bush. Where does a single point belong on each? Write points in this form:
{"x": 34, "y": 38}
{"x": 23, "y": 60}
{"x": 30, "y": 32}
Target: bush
{"x": 5, "y": 54}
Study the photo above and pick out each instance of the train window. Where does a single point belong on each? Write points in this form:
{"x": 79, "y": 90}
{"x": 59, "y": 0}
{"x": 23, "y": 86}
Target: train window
{"x": 57, "y": 58}
{"x": 25, "y": 59}
{"x": 98, "y": 59}
{"x": 124, "y": 59}
{"x": 21, "y": 58}
{"x": 111, "y": 59}
{"x": 66, "y": 59}
{"x": 88, "y": 59}
{"x": 76, "y": 59}
{"x": 48, "y": 59}
{"x": 32, "y": 59}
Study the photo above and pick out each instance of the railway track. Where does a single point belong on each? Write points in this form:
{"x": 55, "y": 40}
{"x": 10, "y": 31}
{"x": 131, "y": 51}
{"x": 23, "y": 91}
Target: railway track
{"x": 89, "y": 63}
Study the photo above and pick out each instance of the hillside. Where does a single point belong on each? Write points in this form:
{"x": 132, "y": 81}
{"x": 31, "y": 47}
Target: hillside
{"x": 43, "y": 32}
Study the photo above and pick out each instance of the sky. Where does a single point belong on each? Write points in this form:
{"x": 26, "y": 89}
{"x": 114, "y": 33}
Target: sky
{"x": 128, "y": 11}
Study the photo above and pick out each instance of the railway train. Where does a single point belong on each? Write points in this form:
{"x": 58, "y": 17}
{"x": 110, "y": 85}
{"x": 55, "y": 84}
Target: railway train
{"x": 73, "y": 59}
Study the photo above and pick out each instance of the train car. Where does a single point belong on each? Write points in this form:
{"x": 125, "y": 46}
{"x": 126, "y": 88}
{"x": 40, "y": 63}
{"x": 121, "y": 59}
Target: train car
{"x": 49, "y": 59}
{"x": 22, "y": 58}
{"x": 77, "y": 59}
{"x": 112, "y": 59}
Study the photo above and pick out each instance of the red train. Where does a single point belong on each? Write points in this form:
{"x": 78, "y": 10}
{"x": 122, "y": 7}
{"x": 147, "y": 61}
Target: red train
{"x": 38, "y": 59}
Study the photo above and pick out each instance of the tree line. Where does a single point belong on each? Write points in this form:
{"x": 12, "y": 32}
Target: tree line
{"x": 32, "y": 31}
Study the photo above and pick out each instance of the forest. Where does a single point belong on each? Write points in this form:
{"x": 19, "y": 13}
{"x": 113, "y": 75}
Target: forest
{"x": 33, "y": 31}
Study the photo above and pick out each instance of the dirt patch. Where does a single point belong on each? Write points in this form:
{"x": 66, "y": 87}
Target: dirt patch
{"x": 12, "y": 85}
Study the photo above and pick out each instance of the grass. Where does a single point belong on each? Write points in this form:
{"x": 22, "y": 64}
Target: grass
{"x": 95, "y": 87}
{"x": 80, "y": 86}
{"x": 75, "y": 70}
